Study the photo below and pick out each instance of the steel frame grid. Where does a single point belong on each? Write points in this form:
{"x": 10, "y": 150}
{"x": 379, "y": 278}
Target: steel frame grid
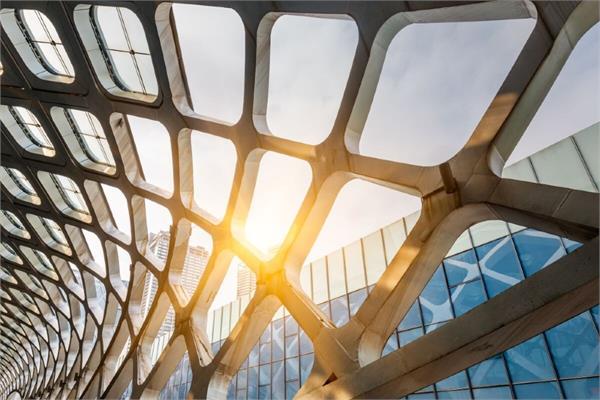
{"x": 459, "y": 193}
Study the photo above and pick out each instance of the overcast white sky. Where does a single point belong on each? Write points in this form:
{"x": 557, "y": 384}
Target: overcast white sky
{"x": 437, "y": 81}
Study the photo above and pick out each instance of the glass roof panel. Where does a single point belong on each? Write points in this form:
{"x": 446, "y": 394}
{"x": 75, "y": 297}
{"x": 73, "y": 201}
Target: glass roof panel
{"x": 118, "y": 207}
{"x": 572, "y": 103}
{"x": 14, "y": 221}
{"x": 13, "y": 225}
{"x": 437, "y": 81}
{"x": 41, "y": 35}
{"x": 30, "y": 126}
{"x": 153, "y": 147}
{"x": 90, "y": 135}
{"x": 70, "y": 193}
{"x": 214, "y": 162}
{"x": 310, "y": 62}
{"x": 211, "y": 40}
{"x": 114, "y": 35}
{"x": 125, "y": 47}
{"x": 20, "y": 181}
{"x": 271, "y": 211}
{"x": 55, "y": 231}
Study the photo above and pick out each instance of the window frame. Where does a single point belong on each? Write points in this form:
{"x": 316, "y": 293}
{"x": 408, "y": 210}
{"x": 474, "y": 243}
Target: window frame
{"x": 35, "y": 48}
{"x": 109, "y": 62}
{"x": 83, "y": 143}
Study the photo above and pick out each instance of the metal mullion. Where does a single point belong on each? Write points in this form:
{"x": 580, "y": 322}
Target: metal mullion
{"x": 585, "y": 166}
{"x": 543, "y": 335}
{"x": 52, "y": 43}
{"x": 131, "y": 51}
{"x": 82, "y": 143}
{"x": 25, "y": 128}
{"x": 553, "y": 362}
{"x": 44, "y": 27}
{"x": 501, "y": 355}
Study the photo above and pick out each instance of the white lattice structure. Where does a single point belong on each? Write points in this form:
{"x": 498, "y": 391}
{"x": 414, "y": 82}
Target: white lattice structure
{"x": 74, "y": 329}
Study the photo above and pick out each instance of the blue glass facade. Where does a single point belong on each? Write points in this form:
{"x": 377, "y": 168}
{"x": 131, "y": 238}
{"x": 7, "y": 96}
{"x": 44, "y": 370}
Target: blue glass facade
{"x": 560, "y": 363}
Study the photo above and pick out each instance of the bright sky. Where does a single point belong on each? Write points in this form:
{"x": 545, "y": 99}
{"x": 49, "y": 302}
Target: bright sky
{"x": 573, "y": 102}
{"x": 437, "y": 81}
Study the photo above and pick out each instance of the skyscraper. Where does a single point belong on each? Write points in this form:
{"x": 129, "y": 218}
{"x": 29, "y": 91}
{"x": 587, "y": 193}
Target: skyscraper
{"x": 246, "y": 281}
{"x": 193, "y": 267}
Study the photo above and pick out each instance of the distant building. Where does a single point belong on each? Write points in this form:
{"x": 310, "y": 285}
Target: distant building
{"x": 193, "y": 267}
{"x": 246, "y": 281}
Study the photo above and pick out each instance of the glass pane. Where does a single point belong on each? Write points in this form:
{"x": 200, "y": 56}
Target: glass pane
{"x": 390, "y": 345}
{"x": 356, "y": 299}
{"x": 434, "y": 299}
{"x": 547, "y": 390}
{"x": 213, "y": 160}
{"x": 499, "y": 265}
{"x": 488, "y": 372}
{"x": 574, "y": 347}
{"x": 461, "y": 268}
{"x": 467, "y": 296}
{"x": 337, "y": 279}
{"x": 153, "y": 145}
{"x": 216, "y": 34}
{"x": 355, "y": 273}
{"x": 457, "y": 394}
{"x": 374, "y": 257}
{"x": 146, "y": 71}
{"x": 126, "y": 70}
{"x": 339, "y": 311}
{"x": 319, "y": 280}
{"x": 35, "y": 25}
{"x": 109, "y": 22}
{"x": 582, "y": 388}
{"x": 416, "y": 116}
{"x": 272, "y": 212}
{"x": 412, "y": 317}
{"x": 408, "y": 336}
{"x": 537, "y": 250}
{"x": 588, "y": 144}
{"x": 298, "y": 87}
{"x": 529, "y": 361}
{"x": 134, "y": 30}
{"x": 457, "y": 381}
{"x": 569, "y": 172}
{"x": 393, "y": 237}
{"x": 502, "y": 392}
{"x": 487, "y": 231}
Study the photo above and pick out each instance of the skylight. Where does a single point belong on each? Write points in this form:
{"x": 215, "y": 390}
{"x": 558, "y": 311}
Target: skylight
{"x": 40, "y": 262}
{"x": 214, "y": 162}
{"x": 211, "y": 42}
{"x": 26, "y": 130}
{"x": 572, "y": 103}
{"x": 18, "y": 185}
{"x": 42, "y": 35}
{"x": 310, "y": 60}
{"x": 55, "y": 231}
{"x": 95, "y": 247}
{"x": 118, "y": 207}
{"x": 153, "y": 146}
{"x": 65, "y": 195}
{"x": 272, "y": 211}
{"x": 125, "y": 49}
{"x": 12, "y": 224}
{"x": 38, "y": 44}
{"x": 70, "y": 192}
{"x": 436, "y": 84}
{"x": 85, "y": 138}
